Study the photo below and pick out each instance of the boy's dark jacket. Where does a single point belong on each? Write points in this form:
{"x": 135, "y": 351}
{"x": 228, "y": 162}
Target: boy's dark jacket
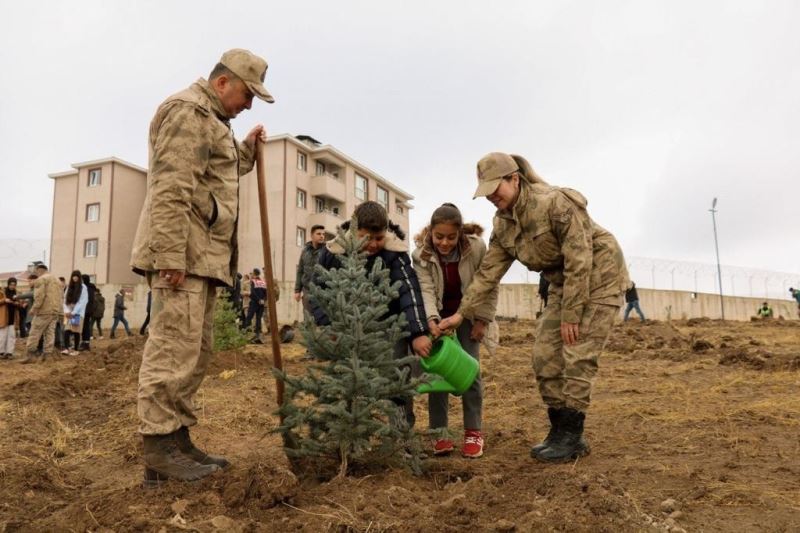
{"x": 395, "y": 257}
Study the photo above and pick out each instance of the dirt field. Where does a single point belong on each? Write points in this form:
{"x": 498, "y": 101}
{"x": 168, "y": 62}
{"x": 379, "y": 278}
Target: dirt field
{"x": 695, "y": 425}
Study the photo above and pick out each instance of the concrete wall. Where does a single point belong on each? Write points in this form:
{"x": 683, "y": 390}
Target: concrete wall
{"x": 522, "y": 301}
{"x": 516, "y": 300}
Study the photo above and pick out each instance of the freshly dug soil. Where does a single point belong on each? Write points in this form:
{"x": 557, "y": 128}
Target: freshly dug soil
{"x": 694, "y": 425}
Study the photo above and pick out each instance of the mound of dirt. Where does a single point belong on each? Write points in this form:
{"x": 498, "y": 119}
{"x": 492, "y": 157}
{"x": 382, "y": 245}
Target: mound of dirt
{"x": 70, "y": 452}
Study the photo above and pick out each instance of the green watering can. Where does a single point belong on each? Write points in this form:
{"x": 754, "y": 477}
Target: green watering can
{"x": 449, "y": 361}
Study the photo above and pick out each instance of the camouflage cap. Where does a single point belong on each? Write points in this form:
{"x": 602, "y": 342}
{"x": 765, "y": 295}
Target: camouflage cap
{"x": 250, "y": 68}
{"x": 491, "y": 169}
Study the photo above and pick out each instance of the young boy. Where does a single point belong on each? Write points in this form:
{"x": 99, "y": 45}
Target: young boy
{"x": 385, "y": 241}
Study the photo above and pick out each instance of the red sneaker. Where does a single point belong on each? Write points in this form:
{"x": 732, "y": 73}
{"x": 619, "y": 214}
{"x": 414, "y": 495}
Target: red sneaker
{"x": 473, "y": 444}
{"x": 443, "y": 447}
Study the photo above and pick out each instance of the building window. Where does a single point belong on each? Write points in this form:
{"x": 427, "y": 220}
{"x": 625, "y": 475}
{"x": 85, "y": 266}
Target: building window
{"x": 319, "y": 204}
{"x": 361, "y": 187}
{"x": 94, "y": 177}
{"x": 301, "y": 237}
{"x": 320, "y": 168}
{"x": 383, "y": 197}
{"x": 399, "y": 208}
{"x": 301, "y": 198}
{"x": 92, "y": 212}
{"x": 90, "y": 248}
{"x": 302, "y": 161}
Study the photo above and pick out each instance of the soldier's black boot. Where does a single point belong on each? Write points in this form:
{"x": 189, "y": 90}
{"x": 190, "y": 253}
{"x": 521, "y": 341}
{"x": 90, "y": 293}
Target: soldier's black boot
{"x": 187, "y": 447}
{"x": 569, "y": 444}
{"x": 555, "y": 414}
{"x": 163, "y": 460}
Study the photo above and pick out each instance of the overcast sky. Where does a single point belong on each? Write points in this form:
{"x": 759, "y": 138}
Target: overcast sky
{"x": 650, "y": 109}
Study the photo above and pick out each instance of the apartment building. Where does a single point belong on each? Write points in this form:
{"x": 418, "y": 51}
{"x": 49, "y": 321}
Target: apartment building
{"x": 308, "y": 183}
{"x": 96, "y": 208}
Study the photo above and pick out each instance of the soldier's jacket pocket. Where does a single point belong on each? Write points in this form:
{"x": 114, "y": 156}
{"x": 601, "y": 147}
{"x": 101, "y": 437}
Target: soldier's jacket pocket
{"x": 205, "y": 206}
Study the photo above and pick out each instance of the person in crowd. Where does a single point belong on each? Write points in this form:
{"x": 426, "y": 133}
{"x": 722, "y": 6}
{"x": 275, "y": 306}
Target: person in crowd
{"x": 385, "y": 240}
{"x": 447, "y": 256}
{"x": 119, "y": 314}
{"x": 46, "y": 311}
{"x": 60, "y": 343}
{"x": 143, "y": 329}
{"x": 258, "y": 300}
{"x": 76, "y": 297}
{"x": 245, "y": 298}
{"x": 88, "y": 321}
{"x": 765, "y": 311}
{"x": 186, "y": 246}
{"x": 9, "y": 318}
{"x": 549, "y": 231}
{"x": 796, "y": 295}
{"x": 305, "y": 266}
{"x": 25, "y": 300}
{"x": 632, "y": 299}
{"x": 98, "y": 312}
{"x": 234, "y": 293}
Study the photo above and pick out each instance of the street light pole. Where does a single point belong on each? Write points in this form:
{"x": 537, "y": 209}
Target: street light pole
{"x": 716, "y": 247}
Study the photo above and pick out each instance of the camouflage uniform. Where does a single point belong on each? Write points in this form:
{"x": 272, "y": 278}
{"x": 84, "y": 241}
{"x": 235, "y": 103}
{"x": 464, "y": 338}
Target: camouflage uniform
{"x": 549, "y": 231}
{"x": 188, "y": 223}
{"x": 46, "y": 311}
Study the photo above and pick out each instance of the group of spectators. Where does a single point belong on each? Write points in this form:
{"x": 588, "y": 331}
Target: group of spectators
{"x": 248, "y": 295}
{"x": 55, "y": 313}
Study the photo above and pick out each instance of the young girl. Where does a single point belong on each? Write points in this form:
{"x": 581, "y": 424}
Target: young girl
{"x": 76, "y": 296}
{"x": 448, "y": 254}
{"x": 385, "y": 240}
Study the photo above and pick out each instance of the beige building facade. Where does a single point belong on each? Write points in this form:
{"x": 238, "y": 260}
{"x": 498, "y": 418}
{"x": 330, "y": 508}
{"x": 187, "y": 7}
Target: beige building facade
{"x": 95, "y": 210}
{"x": 308, "y": 183}
{"x": 96, "y": 207}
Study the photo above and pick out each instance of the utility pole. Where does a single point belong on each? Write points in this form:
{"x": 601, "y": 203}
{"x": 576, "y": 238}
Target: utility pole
{"x": 716, "y": 247}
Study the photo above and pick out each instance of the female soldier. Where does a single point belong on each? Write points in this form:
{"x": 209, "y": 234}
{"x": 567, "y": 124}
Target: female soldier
{"x": 548, "y": 230}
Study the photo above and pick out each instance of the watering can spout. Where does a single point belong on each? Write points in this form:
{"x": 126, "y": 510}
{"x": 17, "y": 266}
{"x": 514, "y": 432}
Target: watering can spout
{"x": 439, "y": 385}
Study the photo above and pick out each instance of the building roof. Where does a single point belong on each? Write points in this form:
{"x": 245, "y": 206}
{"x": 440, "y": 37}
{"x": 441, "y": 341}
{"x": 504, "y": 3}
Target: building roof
{"x": 22, "y": 276}
{"x": 341, "y": 155}
{"x": 94, "y": 163}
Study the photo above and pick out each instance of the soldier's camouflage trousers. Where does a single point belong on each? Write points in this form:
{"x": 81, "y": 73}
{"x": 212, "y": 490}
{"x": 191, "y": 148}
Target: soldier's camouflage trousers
{"x": 564, "y": 373}
{"x": 42, "y": 327}
{"x": 176, "y": 355}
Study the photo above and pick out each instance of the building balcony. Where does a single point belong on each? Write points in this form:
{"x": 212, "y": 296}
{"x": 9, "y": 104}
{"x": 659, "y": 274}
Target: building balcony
{"x": 327, "y": 186}
{"x": 327, "y": 219}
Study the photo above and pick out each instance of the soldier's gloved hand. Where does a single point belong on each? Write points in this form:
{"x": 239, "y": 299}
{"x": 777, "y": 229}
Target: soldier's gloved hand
{"x": 569, "y": 333}
{"x": 422, "y": 345}
{"x": 173, "y": 277}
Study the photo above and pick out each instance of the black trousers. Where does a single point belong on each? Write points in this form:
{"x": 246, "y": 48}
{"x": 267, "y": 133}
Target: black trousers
{"x": 254, "y": 311}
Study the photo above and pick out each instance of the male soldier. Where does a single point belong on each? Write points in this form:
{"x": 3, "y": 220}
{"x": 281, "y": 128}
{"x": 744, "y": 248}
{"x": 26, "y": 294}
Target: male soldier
{"x": 305, "y": 266}
{"x": 48, "y": 305}
{"x": 186, "y": 245}
{"x": 549, "y": 230}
